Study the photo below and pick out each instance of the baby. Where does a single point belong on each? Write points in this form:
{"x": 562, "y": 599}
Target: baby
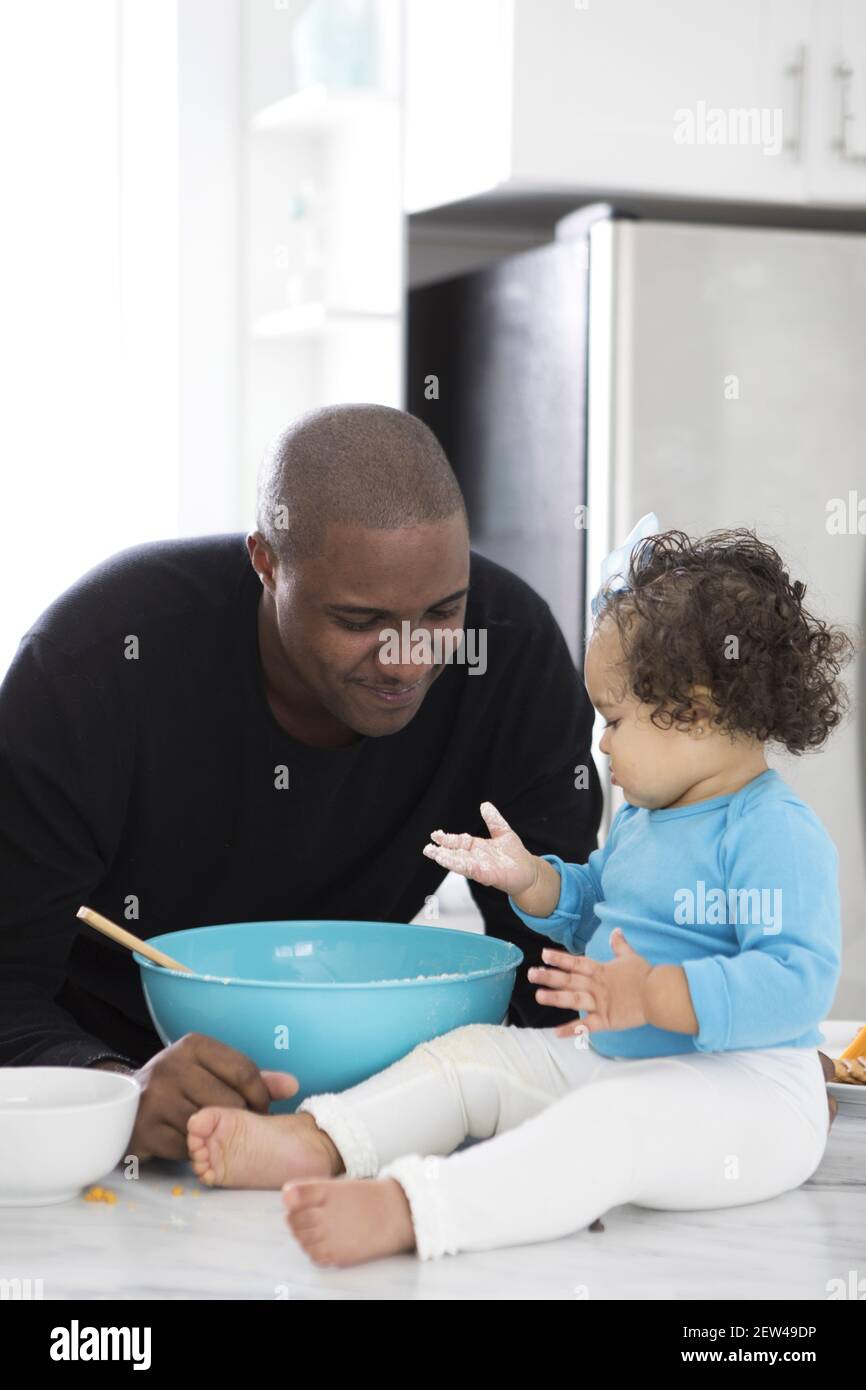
{"x": 701, "y": 949}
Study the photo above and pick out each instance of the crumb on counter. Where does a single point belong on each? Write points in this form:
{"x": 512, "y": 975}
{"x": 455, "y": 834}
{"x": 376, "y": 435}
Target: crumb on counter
{"x": 101, "y": 1194}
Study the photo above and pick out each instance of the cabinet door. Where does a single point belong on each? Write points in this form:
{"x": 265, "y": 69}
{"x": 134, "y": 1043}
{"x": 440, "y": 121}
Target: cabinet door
{"x": 836, "y": 167}
{"x": 685, "y": 97}
{"x": 456, "y": 99}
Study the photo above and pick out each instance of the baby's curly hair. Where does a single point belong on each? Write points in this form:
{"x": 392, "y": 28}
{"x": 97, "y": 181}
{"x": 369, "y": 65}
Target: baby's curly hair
{"x": 722, "y": 612}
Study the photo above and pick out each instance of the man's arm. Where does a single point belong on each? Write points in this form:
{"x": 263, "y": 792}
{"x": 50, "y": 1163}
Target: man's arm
{"x": 545, "y": 783}
{"x": 62, "y": 800}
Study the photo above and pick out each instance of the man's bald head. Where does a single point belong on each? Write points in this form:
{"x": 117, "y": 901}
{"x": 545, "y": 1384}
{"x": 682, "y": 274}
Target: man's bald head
{"x": 355, "y": 465}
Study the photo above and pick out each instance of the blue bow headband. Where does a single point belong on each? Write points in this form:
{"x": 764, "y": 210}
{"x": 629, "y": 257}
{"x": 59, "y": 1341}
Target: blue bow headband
{"x": 614, "y": 569}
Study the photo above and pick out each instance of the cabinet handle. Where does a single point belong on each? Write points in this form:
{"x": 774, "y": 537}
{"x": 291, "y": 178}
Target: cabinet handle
{"x": 844, "y": 72}
{"x": 797, "y": 72}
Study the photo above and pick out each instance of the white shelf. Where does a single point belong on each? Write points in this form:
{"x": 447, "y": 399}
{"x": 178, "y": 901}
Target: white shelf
{"x": 339, "y": 150}
{"x": 315, "y": 318}
{"x": 318, "y": 109}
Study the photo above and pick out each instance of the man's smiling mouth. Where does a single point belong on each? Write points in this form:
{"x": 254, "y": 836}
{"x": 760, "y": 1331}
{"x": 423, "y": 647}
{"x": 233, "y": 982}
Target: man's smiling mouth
{"x": 394, "y": 695}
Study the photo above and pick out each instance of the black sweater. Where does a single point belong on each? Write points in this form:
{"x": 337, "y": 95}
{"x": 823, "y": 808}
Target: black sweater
{"x": 151, "y": 782}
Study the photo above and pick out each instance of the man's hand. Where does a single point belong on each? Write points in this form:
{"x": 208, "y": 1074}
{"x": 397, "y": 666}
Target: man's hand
{"x": 194, "y": 1072}
{"x": 612, "y": 992}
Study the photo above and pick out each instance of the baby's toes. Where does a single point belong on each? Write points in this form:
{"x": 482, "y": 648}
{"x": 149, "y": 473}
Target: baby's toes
{"x": 198, "y": 1152}
{"x": 196, "y": 1147}
{"x": 309, "y": 1229}
{"x": 321, "y": 1254}
{"x": 318, "y": 1250}
{"x": 201, "y": 1165}
{"x": 204, "y": 1146}
{"x": 303, "y": 1194}
{"x": 202, "y": 1123}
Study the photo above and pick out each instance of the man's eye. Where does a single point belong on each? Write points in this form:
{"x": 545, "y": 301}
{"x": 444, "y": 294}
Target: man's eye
{"x": 377, "y": 622}
{"x": 611, "y": 723}
{"x": 356, "y": 627}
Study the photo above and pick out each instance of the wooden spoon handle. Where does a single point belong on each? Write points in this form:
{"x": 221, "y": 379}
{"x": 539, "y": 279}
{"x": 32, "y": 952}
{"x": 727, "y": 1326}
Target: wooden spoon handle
{"x": 126, "y": 938}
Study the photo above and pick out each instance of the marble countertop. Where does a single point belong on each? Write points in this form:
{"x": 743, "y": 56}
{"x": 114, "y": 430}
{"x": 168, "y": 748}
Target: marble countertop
{"x": 235, "y": 1245}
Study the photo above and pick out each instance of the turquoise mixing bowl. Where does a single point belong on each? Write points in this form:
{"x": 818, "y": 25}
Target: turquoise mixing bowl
{"x": 330, "y": 1002}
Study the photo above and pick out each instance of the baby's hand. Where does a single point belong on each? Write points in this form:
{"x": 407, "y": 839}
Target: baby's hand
{"x": 612, "y": 992}
{"x": 503, "y": 861}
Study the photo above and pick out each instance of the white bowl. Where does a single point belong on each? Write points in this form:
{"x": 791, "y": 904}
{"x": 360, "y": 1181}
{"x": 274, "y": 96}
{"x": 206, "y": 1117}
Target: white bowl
{"x": 838, "y": 1033}
{"x": 61, "y": 1128}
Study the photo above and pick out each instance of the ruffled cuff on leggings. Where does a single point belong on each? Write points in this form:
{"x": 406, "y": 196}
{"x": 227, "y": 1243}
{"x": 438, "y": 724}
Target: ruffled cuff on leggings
{"x": 420, "y": 1180}
{"x": 349, "y": 1133}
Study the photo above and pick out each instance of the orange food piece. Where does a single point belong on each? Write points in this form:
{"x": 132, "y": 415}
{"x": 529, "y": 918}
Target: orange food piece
{"x": 855, "y": 1047}
{"x": 101, "y": 1194}
{"x": 177, "y": 1192}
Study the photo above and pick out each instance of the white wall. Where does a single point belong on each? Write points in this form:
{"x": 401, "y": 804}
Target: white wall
{"x": 119, "y": 283}
{"x": 209, "y": 358}
{"x": 87, "y": 432}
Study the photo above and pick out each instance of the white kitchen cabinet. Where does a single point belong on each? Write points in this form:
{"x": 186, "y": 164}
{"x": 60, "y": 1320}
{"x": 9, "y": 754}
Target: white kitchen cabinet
{"x": 685, "y": 98}
{"x": 837, "y": 107}
{"x": 640, "y": 96}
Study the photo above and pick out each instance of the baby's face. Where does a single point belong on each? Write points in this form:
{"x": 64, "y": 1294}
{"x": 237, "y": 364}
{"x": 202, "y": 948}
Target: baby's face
{"x": 655, "y": 767}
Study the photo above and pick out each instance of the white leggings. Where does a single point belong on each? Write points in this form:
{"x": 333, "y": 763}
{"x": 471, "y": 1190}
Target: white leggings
{"x": 571, "y": 1133}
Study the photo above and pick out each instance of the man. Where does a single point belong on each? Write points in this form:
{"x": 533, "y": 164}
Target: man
{"x": 216, "y": 730}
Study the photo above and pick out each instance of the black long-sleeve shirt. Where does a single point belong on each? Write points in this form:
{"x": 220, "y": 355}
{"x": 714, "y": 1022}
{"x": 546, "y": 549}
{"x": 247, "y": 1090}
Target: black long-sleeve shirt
{"x": 150, "y": 782}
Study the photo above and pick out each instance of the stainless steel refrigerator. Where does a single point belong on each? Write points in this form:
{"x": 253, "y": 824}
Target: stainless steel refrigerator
{"x": 713, "y": 374}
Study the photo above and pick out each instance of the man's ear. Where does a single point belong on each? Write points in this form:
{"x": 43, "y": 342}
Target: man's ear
{"x": 262, "y": 558}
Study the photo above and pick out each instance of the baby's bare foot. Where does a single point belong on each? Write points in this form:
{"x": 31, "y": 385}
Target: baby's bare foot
{"x": 237, "y": 1148}
{"x": 350, "y": 1220}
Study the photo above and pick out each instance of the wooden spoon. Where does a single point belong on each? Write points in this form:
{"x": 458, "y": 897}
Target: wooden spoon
{"x": 126, "y": 938}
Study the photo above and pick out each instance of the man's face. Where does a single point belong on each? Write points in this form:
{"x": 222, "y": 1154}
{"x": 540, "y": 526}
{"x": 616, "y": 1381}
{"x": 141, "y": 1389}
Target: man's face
{"x": 332, "y": 608}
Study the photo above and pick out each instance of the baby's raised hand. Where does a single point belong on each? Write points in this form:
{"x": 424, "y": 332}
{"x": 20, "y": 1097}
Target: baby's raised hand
{"x": 502, "y": 862}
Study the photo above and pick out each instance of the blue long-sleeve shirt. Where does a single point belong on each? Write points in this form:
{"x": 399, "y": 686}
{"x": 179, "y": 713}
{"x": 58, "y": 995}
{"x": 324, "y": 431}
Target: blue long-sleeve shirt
{"x": 740, "y": 890}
